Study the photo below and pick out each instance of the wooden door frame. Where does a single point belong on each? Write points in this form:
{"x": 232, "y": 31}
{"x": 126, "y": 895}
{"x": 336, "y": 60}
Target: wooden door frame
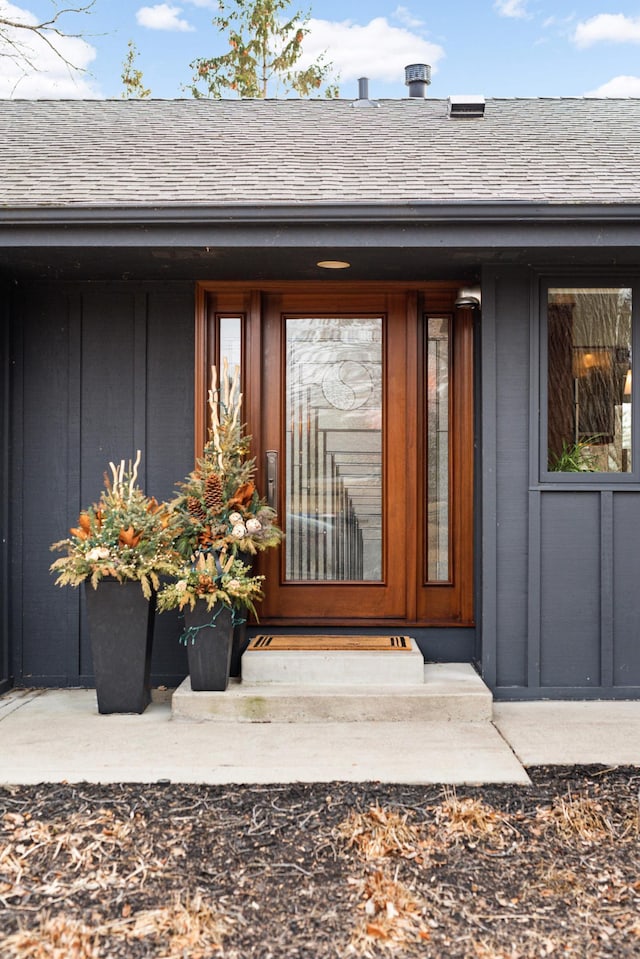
{"x": 427, "y": 604}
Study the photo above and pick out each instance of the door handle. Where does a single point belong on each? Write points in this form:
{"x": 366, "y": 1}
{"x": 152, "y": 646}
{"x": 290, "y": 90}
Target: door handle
{"x": 272, "y": 478}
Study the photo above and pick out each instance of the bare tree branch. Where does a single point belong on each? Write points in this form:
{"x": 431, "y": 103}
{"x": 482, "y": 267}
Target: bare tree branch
{"x": 43, "y": 30}
{"x": 49, "y": 24}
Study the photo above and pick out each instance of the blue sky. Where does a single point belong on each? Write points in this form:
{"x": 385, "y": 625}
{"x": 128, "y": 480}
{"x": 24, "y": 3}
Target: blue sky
{"x": 498, "y": 48}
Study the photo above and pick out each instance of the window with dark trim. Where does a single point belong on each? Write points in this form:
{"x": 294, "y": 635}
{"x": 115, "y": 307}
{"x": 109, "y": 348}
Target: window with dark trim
{"x": 587, "y": 413}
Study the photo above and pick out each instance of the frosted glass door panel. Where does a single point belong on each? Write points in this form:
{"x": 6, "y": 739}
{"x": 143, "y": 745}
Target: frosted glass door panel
{"x": 333, "y": 452}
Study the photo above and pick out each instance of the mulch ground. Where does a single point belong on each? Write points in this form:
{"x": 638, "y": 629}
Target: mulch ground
{"x": 315, "y": 871}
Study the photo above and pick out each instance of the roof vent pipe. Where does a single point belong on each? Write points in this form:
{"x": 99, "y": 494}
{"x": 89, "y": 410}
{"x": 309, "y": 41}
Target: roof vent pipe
{"x": 417, "y": 76}
{"x": 363, "y": 95}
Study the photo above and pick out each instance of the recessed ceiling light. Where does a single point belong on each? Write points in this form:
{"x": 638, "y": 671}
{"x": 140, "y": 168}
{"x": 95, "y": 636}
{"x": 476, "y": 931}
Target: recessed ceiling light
{"x": 333, "y": 264}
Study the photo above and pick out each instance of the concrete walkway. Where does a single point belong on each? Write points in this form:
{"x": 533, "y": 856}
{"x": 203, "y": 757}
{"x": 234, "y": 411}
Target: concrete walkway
{"x": 58, "y": 735}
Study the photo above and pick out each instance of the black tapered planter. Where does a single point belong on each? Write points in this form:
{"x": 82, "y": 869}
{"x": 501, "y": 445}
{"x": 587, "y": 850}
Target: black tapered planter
{"x": 209, "y": 640}
{"x": 120, "y": 622}
{"x": 238, "y": 645}
{"x": 240, "y": 626}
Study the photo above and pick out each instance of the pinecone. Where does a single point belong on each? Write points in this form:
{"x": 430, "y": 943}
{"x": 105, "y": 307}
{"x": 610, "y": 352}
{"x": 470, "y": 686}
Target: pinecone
{"x": 196, "y": 508}
{"x": 213, "y": 493}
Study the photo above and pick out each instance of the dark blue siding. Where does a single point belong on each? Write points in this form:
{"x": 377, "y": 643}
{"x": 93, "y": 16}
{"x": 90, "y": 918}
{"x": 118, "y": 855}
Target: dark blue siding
{"x": 570, "y": 624}
{"x": 105, "y": 370}
{"x": 560, "y": 609}
{"x": 626, "y": 589}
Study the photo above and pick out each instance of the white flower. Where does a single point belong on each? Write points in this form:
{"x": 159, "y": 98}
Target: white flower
{"x": 235, "y": 518}
{"x": 233, "y": 585}
{"x": 239, "y": 531}
{"x": 253, "y": 525}
{"x": 98, "y": 552}
{"x": 181, "y": 585}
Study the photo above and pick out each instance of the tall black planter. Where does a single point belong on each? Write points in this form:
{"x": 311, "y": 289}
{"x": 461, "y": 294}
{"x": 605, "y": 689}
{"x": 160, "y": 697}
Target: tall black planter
{"x": 239, "y": 643}
{"x": 240, "y": 628}
{"x": 209, "y": 641}
{"x": 120, "y": 624}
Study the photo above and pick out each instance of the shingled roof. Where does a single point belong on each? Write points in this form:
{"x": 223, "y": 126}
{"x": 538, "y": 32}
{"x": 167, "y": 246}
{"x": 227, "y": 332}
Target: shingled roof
{"x": 204, "y": 153}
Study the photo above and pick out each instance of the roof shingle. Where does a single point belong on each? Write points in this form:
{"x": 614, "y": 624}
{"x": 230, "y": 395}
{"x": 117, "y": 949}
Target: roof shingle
{"x": 217, "y": 153}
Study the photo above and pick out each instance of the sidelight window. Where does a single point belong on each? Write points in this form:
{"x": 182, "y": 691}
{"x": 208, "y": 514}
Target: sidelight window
{"x": 229, "y": 345}
{"x": 437, "y": 396}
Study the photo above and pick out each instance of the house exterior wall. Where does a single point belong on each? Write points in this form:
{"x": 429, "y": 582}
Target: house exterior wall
{"x": 100, "y": 370}
{"x": 560, "y": 603}
{"x": 5, "y": 387}
{"x": 94, "y": 371}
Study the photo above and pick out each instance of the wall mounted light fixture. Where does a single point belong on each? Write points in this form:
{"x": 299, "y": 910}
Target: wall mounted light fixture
{"x": 470, "y": 296}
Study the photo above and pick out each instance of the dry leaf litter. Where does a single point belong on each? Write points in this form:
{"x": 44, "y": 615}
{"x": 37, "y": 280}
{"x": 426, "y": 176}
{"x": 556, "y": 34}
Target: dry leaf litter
{"x": 313, "y": 871}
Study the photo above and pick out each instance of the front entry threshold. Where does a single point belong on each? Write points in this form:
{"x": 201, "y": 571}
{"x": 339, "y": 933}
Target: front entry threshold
{"x": 449, "y": 692}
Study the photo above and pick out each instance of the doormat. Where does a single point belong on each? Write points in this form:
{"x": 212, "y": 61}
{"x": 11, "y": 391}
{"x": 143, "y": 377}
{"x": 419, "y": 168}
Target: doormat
{"x": 367, "y": 643}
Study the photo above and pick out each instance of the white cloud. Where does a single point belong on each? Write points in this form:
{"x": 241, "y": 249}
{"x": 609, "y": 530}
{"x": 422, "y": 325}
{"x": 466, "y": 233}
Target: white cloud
{"x": 376, "y": 50}
{"x": 512, "y": 8}
{"x": 614, "y": 27}
{"x": 561, "y": 22}
{"x": 403, "y": 15}
{"x": 162, "y": 17}
{"x": 212, "y": 4}
{"x": 30, "y": 69}
{"x": 622, "y": 86}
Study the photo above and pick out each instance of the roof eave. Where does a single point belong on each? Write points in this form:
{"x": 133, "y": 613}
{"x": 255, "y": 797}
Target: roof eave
{"x": 414, "y": 211}
{"x": 470, "y": 225}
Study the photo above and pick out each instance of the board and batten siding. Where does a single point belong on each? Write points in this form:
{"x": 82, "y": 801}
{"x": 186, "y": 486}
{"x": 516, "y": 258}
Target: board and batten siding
{"x": 99, "y": 371}
{"x": 560, "y": 606}
{"x": 5, "y": 403}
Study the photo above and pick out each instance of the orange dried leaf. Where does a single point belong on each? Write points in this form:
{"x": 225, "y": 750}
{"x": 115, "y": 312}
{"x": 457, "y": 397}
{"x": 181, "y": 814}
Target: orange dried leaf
{"x": 243, "y": 495}
{"x": 376, "y": 931}
{"x": 129, "y": 537}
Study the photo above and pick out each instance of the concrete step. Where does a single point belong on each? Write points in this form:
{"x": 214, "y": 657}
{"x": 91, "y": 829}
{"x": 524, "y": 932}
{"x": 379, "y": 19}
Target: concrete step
{"x": 397, "y": 662}
{"x": 450, "y": 692}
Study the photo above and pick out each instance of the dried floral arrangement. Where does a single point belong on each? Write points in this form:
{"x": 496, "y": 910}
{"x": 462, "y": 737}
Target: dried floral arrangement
{"x": 220, "y": 515}
{"x": 126, "y": 535}
{"x": 219, "y": 506}
{"x": 213, "y": 578}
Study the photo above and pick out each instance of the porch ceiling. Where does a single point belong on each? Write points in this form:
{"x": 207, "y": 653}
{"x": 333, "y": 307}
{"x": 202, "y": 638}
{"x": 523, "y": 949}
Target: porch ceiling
{"x": 210, "y": 263}
{"x": 290, "y": 263}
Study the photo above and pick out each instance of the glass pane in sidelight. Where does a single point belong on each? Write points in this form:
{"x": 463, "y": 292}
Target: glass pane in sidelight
{"x": 589, "y": 380}
{"x": 333, "y": 449}
{"x": 230, "y": 341}
{"x": 437, "y": 450}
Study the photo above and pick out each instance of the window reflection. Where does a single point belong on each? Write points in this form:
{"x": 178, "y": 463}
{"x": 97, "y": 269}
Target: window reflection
{"x": 334, "y": 449}
{"x": 589, "y": 380}
{"x": 438, "y": 449}
{"x": 230, "y": 345}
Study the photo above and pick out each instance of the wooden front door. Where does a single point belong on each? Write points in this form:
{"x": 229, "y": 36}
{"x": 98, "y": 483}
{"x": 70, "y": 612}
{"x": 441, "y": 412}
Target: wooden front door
{"x": 359, "y": 402}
